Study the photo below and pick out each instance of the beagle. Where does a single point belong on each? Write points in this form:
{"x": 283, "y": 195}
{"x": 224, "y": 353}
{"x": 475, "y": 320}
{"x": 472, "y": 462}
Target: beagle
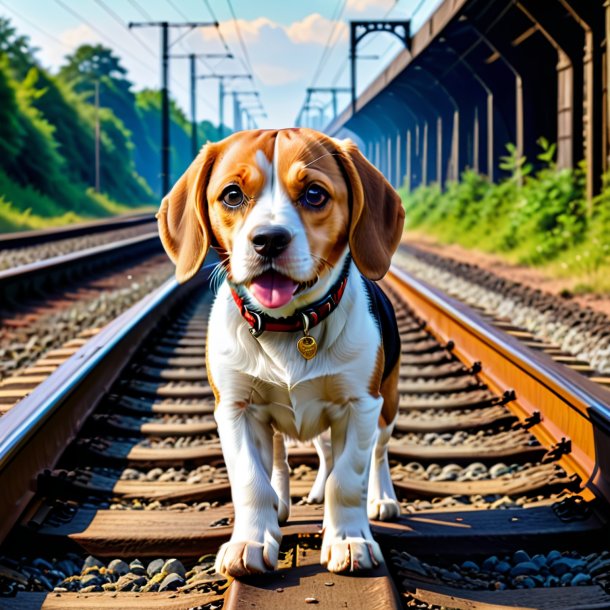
{"x": 300, "y": 339}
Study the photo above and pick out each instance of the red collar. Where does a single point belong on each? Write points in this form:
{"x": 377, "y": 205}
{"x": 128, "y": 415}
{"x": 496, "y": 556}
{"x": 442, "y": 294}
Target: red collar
{"x": 303, "y": 319}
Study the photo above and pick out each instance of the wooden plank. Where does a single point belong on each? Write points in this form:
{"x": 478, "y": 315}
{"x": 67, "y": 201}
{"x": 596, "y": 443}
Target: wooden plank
{"x": 460, "y": 400}
{"x": 165, "y": 600}
{"x": 203, "y": 454}
{"x": 150, "y": 533}
{"x": 529, "y": 481}
{"x": 451, "y": 422}
{"x": 290, "y": 588}
{"x": 463, "y": 452}
{"x": 190, "y": 533}
{"x": 564, "y": 598}
{"x": 443, "y": 385}
{"x": 487, "y": 531}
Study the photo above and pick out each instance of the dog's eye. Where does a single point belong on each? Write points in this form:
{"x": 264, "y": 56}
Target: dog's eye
{"x": 314, "y": 196}
{"x": 233, "y": 196}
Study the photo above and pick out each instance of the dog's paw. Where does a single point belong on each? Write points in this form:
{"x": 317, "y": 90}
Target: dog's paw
{"x": 315, "y": 497}
{"x": 351, "y": 555}
{"x": 283, "y": 511}
{"x": 243, "y": 558}
{"x": 383, "y": 509}
{"x": 316, "y": 493}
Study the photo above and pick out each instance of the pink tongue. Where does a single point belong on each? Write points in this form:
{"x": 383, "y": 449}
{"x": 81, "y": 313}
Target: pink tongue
{"x": 272, "y": 289}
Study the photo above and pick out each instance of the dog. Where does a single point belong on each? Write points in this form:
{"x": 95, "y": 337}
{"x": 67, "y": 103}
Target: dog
{"x": 300, "y": 338}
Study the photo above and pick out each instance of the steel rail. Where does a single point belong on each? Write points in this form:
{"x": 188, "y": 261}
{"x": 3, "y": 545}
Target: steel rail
{"x": 17, "y": 279}
{"x": 25, "y": 239}
{"x": 65, "y": 399}
{"x": 571, "y": 407}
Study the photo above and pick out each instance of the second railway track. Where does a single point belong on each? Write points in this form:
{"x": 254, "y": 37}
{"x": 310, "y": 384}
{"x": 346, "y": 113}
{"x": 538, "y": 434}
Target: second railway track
{"x": 116, "y": 494}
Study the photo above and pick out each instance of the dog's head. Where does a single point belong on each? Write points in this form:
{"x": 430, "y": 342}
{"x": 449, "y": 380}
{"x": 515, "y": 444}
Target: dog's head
{"x": 282, "y": 208}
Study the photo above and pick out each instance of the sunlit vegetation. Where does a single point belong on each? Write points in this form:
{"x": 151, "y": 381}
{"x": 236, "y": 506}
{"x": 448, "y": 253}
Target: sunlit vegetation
{"x": 533, "y": 216}
{"x": 47, "y": 137}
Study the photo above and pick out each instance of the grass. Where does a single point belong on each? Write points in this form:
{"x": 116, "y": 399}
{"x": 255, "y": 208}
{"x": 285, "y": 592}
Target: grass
{"x": 539, "y": 219}
{"x": 23, "y": 208}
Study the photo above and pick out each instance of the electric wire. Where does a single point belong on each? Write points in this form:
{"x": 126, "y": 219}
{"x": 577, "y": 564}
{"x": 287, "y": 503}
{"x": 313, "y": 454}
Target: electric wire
{"x": 222, "y": 38}
{"x": 78, "y": 16}
{"x": 178, "y": 10}
{"x": 140, "y": 10}
{"x": 36, "y": 26}
{"x": 328, "y": 47}
{"x": 240, "y": 38}
{"x": 118, "y": 19}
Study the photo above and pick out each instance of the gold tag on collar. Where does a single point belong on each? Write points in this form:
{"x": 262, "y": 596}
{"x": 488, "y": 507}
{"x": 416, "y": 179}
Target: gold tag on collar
{"x": 307, "y": 346}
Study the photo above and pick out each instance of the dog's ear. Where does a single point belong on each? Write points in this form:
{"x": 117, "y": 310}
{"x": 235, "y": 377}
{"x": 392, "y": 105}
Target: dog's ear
{"x": 377, "y": 215}
{"x": 184, "y": 225}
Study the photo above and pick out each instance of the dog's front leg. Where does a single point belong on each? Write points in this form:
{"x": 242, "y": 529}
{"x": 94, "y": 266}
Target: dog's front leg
{"x": 348, "y": 544}
{"x": 247, "y": 444}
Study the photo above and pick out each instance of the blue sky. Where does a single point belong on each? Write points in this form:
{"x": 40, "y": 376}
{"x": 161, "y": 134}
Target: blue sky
{"x": 285, "y": 41}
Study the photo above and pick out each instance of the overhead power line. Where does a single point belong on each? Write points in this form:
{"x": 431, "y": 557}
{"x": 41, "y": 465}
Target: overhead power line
{"x": 222, "y": 38}
{"x": 246, "y": 57}
{"x": 329, "y": 46}
{"x": 140, "y": 10}
{"x": 78, "y": 16}
{"x": 177, "y": 9}
{"x": 35, "y": 26}
{"x": 122, "y": 23}
{"x": 240, "y": 38}
{"x": 165, "y": 119}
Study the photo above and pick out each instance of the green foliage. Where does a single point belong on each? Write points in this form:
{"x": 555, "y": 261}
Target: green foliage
{"x": 533, "y": 216}
{"x": 15, "y": 48}
{"x": 47, "y": 136}
{"x": 36, "y": 210}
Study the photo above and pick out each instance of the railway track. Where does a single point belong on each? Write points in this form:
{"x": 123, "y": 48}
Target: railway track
{"x": 575, "y": 336}
{"x": 116, "y": 494}
{"x": 23, "y": 281}
{"x": 50, "y": 307}
{"x": 29, "y": 239}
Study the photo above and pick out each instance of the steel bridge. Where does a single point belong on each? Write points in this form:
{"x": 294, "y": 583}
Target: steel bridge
{"x": 483, "y": 73}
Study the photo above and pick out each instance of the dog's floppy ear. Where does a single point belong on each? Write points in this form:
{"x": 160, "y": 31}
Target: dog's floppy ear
{"x": 377, "y": 215}
{"x": 184, "y": 225}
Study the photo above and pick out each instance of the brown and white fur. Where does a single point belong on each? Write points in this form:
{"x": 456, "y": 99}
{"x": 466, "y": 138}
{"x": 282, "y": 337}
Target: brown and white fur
{"x": 264, "y": 388}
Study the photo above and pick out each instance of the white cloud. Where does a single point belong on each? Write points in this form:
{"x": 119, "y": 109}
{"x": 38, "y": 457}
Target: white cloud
{"x": 81, "y": 34}
{"x": 273, "y": 75}
{"x": 315, "y": 29}
{"x": 360, "y": 6}
{"x": 271, "y": 45}
{"x": 251, "y": 31}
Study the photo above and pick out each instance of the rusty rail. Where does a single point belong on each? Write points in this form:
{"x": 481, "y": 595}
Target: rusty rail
{"x": 559, "y": 406}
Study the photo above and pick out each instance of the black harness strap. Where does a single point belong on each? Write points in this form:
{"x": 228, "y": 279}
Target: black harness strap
{"x": 383, "y": 312}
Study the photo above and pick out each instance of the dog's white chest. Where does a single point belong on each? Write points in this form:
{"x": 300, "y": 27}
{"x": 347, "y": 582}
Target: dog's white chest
{"x": 299, "y": 397}
{"x": 301, "y": 411}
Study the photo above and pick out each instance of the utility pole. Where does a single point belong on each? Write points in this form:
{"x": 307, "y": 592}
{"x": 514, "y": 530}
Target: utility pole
{"x": 333, "y": 91}
{"x": 221, "y": 108}
{"x": 221, "y": 94}
{"x": 165, "y": 143}
{"x": 192, "y": 57}
{"x": 193, "y": 73}
{"x": 320, "y": 108}
{"x": 237, "y": 123}
{"x": 360, "y": 29}
{"x": 165, "y": 168}
{"x": 237, "y": 126}
{"x": 253, "y": 116}
{"x": 97, "y": 136}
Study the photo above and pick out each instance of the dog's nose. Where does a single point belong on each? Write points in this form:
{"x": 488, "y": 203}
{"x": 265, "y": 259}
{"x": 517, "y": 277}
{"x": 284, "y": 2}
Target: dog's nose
{"x": 271, "y": 241}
